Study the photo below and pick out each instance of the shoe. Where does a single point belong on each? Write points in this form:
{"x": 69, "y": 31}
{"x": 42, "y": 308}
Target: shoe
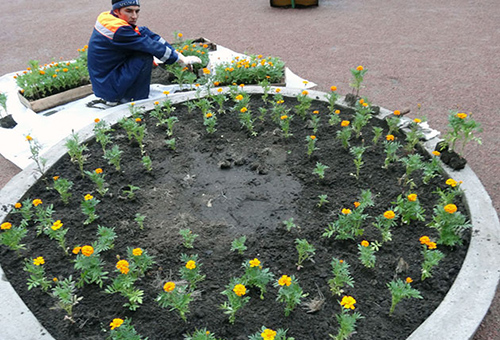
{"x": 111, "y": 103}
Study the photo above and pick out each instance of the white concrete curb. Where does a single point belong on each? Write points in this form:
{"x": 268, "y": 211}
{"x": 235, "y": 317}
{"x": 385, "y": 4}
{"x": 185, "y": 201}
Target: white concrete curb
{"x": 457, "y": 317}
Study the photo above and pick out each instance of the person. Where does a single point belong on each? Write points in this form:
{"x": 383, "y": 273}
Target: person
{"x": 120, "y": 54}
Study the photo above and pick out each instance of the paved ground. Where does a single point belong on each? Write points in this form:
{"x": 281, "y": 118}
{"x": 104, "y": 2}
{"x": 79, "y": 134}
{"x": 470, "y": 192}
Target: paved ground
{"x": 442, "y": 55}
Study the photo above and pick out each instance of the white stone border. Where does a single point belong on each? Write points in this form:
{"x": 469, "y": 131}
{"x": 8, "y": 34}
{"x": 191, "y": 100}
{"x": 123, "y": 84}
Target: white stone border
{"x": 457, "y": 317}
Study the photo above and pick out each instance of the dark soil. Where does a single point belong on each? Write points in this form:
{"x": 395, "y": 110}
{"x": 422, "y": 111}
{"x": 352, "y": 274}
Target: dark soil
{"x": 222, "y": 186}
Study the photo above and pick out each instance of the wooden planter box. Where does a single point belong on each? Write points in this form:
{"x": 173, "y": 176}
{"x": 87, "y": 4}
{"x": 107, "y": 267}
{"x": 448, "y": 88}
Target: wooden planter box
{"x": 56, "y": 99}
{"x": 293, "y": 3}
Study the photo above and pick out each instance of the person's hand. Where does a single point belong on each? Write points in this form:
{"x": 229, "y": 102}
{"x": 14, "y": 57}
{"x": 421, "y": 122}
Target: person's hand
{"x": 189, "y": 60}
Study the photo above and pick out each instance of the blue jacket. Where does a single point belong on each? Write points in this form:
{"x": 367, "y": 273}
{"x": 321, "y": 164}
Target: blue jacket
{"x": 112, "y": 63}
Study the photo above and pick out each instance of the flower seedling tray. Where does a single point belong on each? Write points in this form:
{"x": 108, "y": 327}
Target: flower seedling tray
{"x": 56, "y": 99}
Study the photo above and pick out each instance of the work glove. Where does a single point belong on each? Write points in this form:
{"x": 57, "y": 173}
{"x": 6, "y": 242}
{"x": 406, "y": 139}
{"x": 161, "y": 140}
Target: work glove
{"x": 189, "y": 60}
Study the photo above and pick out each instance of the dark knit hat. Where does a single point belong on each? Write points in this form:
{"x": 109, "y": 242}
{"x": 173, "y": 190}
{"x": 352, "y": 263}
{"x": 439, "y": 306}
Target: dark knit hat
{"x": 124, "y": 3}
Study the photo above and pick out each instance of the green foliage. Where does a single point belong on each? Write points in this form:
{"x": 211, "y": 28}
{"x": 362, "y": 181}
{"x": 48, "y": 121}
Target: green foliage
{"x": 76, "y": 149}
{"x": 187, "y": 237}
{"x": 62, "y": 186}
{"x": 256, "y": 276}
{"x": 462, "y": 129}
{"x": 239, "y": 244}
{"x": 431, "y": 260}
{"x": 65, "y": 293}
{"x": 37, "y": 274}
{"x": 320, "y": 169}
{"x": 450, "y": 226}
{"x": 291, "y": 295}
{"x": 305, "y": 250}
{"x": 341, "y": 276}
{"x": 401, "y": 290}
{"x": 234, "y": 302}
{"x": 191, "y": 273}
{"x": 113, "y": 156}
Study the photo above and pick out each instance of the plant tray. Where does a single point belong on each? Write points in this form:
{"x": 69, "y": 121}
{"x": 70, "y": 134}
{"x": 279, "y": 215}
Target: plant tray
{"x": 56, "y": 99}
{"x": 291, "y": 3}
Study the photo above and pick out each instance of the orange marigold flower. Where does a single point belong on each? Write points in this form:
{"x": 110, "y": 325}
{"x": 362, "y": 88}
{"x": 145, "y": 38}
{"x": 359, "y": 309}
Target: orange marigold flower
{"x": 365, "y": 243}
{"x": 348, "y": 302}
{"x": 138, "y": 120}
{"x": 123, "y": 266}
{"x": 356, "y": 204}
{"x": 361, "y": 101}
{"x": 137, "y": 252}
{"x": 166, "y": 93}
{"x": 409, "y": 280}
{"x": 55, "y": 178}
{"x": 87, "y": 250}
{"x": 191, "y": 265}
{"x": 5, "y": 226}
{"x": 436, "y": 153}
{"x": 65, "y": 70}
{"x": 315, "y": 112}
{"x": 42, "y": 72}
{"x": 278, "y": 90}
{"x": 240, "y": 290}
{"x": 346, "y": 211}
{"x": 345, "y": 123}
{"x": 88, "y": 197}
{"x": 285, "y": 280}
{"x": 305, "y": 93}
{"x": 97, "y": 120}
{"x": 416, "y": 120}
{"x": 57, "y": 225}
{"x": 462, "y": 115}
{"x": 389, "y": 137}
{"x": 333, "y": 88}
{"x": 29, "y": 138}
{"x": 37, "y": 202}
{"x": 397, "y": 113}
{"x": 424, "y": 239}
{"x": 116, "y": 323}
{"x": 284, "y": 117}
{"x": 76, "y": 250}
{"x": 254, "y": 263}
{"x": 179, "y": 35}
{"x": 98, "y": 171}
{"x": 412, "y": 197}
{"x": 337, "y": 112}
{"x": 216, "y": 83}
{"x": 18, "y": 205}
{"x": 219, "y": 90}
{"x": 365, "y": 104}
{"x": 389, "y": 214}
{"x": 169, "y": 286}
{"x": 431, "y": 245}
{"x": 206, "y": 71}
{"x": 243, "y": 110}
{"x": 39, "y": 261}
{"x": 239, "y": 97}
{"x": 312, "y": 137}
{"x": 451, "y": 182}
{"x": 359, "y": 68}
{"x": 54, "y": 76}
{"x": 209, "y": 115}
{"x": 450, "y": 208}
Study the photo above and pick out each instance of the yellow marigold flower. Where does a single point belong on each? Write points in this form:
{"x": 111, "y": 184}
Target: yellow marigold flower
{"x": 462, "y": 115}
{"x": 280, "y": 101}
{"x": 259, "y": 56}
{"x": 88, "y": 197}
{"x": 285, "y": 280}
{"x": 116, "y": 323}
{"x": 389, "y": 214}
{"x": 38, "y": 261}
{"x": 123, "y": 266}
{"x": 451, "y": 182}
{"x": 305, "y": 82}
{"x": 365, "y": 104}
{"x": 278, "y": 90}
{"x": 97, "y": 120}
{"x": 57, "y": 225}
{"x": 87, "y": 250}
{"x": 397, "y": 113}
{"x": 345, "y": 123}
{"x": 138, "y": 120}
{"x": 18, "y": 205}
{"x": 29, "y": 138}
{"x": 436, "y": 153}
{"x": 239, "y": 97}
{"x": 450, "y": 208}
{"x": 315, "y": 112}
{"x": 356, "y": 204}
{"x": 65, "y": 70}
{"x": 166, "y": 93}
{"x": 424, "y": 239}
{"x": 55, "y": 279}
{"x": 37, "y": 202}
{"x": 412, "y": 197}
{"x": 333, "y": 88}
{"x": 206, "y": 71}
{"x": 54, "y": 75}
{"x": 240, "y": 290}
{"x": 409, "y": 280}
{"x": 137, "y": 252}
{"x": 337, "y": 112}
{"x": 179, "y": 35}
{"x": 346, "y": 211}
{"x": 341, "y": 261}
{"x": 169, "y": 286}
{"x": 312, "y": 137}
{"x": 243, "y": 110}
{"x": 389, "y": 137}
{"x": 365, "y": 243}
{"x": 209, "y": 115}
{"x": 348, "y": 302}
{"x": 191, "y": 265}
{"x": 98, "y": 171}
{"x": 242, "y": 85}
{"x": 268, "y": 334}
{"x": 284, "y": 117}
{"x": 76, "y": 250}
{"x": 431, "y": 245}
{"x": 5, "y": 226}
{"x": 254, "y": 263}
{"x": 359, "y": 68}
{"x": 416, "y": 120}
{"x": 42, "y": 72}
{"x": 305, "y": 93}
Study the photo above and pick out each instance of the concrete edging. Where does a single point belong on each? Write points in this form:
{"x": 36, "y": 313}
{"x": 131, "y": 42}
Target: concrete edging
{"x": 457, "y": 317}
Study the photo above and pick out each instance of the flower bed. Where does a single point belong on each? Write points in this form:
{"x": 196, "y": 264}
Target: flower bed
{"x": 221, "y": 187}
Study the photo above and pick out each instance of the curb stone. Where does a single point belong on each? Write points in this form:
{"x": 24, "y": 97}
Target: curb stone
{"x": 457, "y": 317}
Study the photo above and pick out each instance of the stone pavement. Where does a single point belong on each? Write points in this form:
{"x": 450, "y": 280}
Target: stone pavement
{"x": 440, "y": 55}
